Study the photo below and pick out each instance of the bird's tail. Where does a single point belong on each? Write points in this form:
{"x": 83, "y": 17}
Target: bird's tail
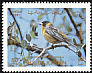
{"x": 70, "y": 43}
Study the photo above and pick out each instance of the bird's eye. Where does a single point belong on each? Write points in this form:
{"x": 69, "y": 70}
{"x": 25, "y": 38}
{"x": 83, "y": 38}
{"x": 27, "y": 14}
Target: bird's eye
{"x": 45, "y": 22}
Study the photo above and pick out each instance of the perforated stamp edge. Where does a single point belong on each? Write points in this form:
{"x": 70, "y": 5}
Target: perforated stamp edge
{"x": 45, "y": 5}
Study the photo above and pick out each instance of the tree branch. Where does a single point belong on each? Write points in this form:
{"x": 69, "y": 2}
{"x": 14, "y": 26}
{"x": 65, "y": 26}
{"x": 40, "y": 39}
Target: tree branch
{"x": 41, "y": 51}
{"x": 16, "y": 23}
{"x": 33, "y": 48}
{"x": 74, "y": 24}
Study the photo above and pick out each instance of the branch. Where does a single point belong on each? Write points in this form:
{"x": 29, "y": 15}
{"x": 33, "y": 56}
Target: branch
{"x": 74, "y": 24}
{"x": 66, "y": 46}
{"x": 55, "y": 11}
{"x": 41, "y": 51}
{"x": 34, "y": 48}
{"x": 39, "y": 55}
{"x": 84, "y": 47}
{"x": 44, "y": 50}
{"x": 16, "y": 23}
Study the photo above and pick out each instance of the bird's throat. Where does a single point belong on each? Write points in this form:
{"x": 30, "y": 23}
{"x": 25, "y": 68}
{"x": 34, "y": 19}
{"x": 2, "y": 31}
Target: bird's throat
{"x": 43, "y": 29}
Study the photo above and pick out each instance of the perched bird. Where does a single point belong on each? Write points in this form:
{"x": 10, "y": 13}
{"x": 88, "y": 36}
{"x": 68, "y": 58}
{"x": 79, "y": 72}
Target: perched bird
{"x": 52, "y": 34}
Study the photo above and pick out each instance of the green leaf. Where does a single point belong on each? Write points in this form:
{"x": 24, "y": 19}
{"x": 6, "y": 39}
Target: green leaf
{"x": 36, "y": 33}
{"x": 20, "y": 54}
{"x": 28, "y": 54}
{"x": 79, "y": 24}
{"x": 61, "y": 25}
{"x": 17, "y": 39}
{"x": 17, "y": 31}
{"x": 42, "y": 63}
{"x": 24, "y": 59}
{"x": 64, "y": 18}
{"x": 36, "y": 25}
{"x": 33, "y": 28}
{"x": 83, "y": 9}
{"x": 12, "y": 65}
{"x": 20, "y": 64}
{"x": 79, "y": 54}
{"x": 40, "y": 17}
{"x": 32, "y": 23}
{"x": 31, "y": 57}
{"x": 80, "y": 16}
{"x": 32, "y": 35}
{"x": 28, "y": 37}
{"x": 10, "y": 23}
{"x": 69, "y": 29}
{"x": 74, "y": 41}
{"x": 14, "y": 23}
{"x": 65, "y": 62}
{"x": 74, "y": 15}
{"x": 24, "y": 44}
{"x": 70, "y": 9}
{"x": 41, "y": 8}
{"x": 67, "y": 24}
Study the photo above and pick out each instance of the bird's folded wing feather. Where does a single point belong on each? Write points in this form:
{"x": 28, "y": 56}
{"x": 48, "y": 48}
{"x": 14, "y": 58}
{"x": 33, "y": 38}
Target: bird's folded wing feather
{"x": 55, "y": 33}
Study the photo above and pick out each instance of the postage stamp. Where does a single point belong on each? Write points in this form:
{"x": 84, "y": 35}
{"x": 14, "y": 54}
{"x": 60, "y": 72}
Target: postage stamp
{"x": 46, "y": 36}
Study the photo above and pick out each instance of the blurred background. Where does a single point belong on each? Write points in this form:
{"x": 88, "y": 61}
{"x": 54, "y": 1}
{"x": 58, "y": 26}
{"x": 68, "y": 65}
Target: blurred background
{"x": 28, "y": 19}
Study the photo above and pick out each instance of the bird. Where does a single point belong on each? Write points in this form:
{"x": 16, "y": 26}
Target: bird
{"x": 55, "y": 36}
{"x": 52, "y": 34}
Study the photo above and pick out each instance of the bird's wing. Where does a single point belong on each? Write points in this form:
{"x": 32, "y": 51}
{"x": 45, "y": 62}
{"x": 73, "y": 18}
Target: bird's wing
{"x": 55, "y": 33}
{"x": 51, "y": 30}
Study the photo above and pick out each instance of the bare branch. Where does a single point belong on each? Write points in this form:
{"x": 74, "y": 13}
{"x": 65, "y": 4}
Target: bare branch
{"x": 55, "y": 11}
{"x": 41, "y": 51}
{"x": 16, "y": 23}
{"x": 39, "y": 55}
{"x": 44, "y": 49}
{"x": 84, "y": 47}
{"x": 33, "y": 48}
{"x": 74, "y": 24}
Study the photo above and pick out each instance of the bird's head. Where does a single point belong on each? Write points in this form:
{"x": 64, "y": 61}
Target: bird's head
{"x": 45, "y": 23}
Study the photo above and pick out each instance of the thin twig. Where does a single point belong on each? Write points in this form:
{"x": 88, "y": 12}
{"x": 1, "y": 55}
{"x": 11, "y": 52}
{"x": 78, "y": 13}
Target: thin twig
{"x": 39, "y": 55}
{"x": 74, "y": 24}
{"x": 16, "y": 23}
{"x": 33, "y": 48}
{"x": 51, "y": 48}
{"x": 83, "y": 46}
{"x": 55, "y": 11}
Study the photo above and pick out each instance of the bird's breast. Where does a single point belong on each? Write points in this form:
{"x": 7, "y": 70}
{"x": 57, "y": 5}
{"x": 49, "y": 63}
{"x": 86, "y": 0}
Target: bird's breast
{"x": 50, "y": 38}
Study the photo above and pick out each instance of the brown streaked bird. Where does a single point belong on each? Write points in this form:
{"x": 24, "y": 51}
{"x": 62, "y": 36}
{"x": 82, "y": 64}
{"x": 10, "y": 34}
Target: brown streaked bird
{"x": 52, "y": 34}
